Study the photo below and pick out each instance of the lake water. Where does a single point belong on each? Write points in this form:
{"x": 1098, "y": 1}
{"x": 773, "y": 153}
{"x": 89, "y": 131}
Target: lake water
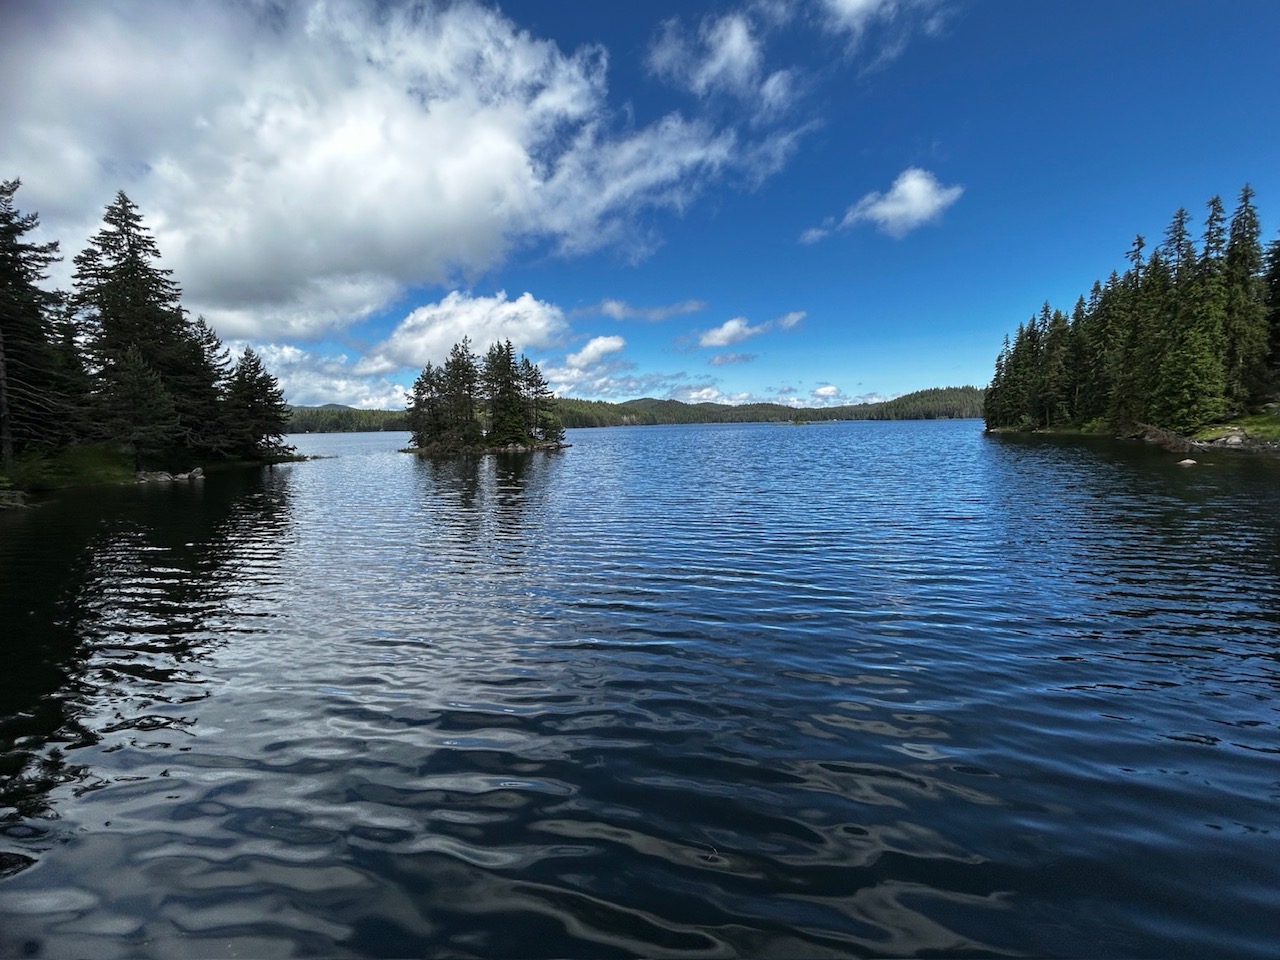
{"x": 855, "y": 689}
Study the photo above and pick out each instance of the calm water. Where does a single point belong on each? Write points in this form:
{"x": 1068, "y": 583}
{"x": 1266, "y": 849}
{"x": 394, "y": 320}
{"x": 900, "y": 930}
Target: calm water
{"x": 848, "y": 689}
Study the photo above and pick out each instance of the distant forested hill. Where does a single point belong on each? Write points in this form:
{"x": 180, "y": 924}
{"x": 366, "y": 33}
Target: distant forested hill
{"x": 335, "y": 418}
{"x": 939, "y": 403}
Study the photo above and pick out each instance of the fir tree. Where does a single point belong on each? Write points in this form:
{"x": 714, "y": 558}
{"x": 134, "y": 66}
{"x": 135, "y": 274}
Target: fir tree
{"x": 139, "y": 411}
{"x": 256, "y": 409}
{"x": 1246, "y": 334}
{"x": 31, "y": 406}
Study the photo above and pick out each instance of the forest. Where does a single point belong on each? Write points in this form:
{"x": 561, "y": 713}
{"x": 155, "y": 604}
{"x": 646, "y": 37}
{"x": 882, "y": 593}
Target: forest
{"x": 474, "y": 403}
{"x": 938, "y": 403}
{"x": 1185, "y": 337}
{"x": 115, "y": 375}
{"x": 337, "y": 418}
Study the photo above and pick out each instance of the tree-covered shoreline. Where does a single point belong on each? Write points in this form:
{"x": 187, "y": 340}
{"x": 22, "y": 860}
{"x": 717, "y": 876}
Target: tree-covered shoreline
{"x": 1184, "y": 338}
{"x": 110, "y": 377}
{"x": 937, "y": 403}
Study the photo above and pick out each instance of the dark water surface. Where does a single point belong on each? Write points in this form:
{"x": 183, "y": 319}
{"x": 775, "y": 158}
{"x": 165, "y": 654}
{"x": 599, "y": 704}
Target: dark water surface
{"x": 849, "y": 689}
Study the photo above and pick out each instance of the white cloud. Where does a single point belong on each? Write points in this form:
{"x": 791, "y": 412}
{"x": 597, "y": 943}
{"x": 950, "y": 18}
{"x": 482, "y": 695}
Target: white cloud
{"x": 620, "y": 310}
{"x": 893, "y": 21}
{"x": 826, "y": 392}
{"x": 738, "y": 329}
{"x": 915, "y": 198}
{"x": 725, "y": 56}
{"x": 854, "y": 16}
{"x": 429, "y": 332}
{"x": 731, "y": 331}
{"x": 596, "y": 349}
{"x": 301, "y": 164}
{"x": 723, "y": 359}
{"x": 310, "y": 379}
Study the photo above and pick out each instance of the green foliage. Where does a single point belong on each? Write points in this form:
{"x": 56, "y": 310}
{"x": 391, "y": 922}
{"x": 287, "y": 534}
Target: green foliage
{"x": 118, "y": 361}
{"x": 34, "y": 396}
{"x": 472, "y": 404}
{"x": 1179, "y": 340}
{"x": 335, "y": 418}
{"x": 256, "y": 411}
{"x": 79, "y": 464}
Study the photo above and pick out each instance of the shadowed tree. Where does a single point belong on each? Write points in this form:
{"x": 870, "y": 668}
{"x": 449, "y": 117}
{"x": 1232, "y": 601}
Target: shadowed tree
{"x": 256, "y": 410}
{"x": 31, "y": 406}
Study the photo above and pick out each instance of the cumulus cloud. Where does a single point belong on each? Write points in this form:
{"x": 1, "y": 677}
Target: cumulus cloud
{"x": 430, "y": 331}
{"x": 595, "y": 350}
{"x": 620, "y": 310}
{"x": 302, "y": 163}
{"x": 731, "y": 331}
{"x": 724, "y": 359}
{"x": 915, "y": 198}
{"x": 308, "y": 378}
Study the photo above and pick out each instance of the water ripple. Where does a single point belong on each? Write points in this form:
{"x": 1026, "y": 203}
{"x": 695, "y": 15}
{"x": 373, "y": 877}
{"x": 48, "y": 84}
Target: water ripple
{"x": 717, "y": 691}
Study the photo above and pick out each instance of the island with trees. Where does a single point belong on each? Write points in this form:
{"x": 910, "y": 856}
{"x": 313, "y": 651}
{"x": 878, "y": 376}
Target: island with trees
{"x": 1185, "y": 340}
{"x": 114, "y": 376}
{"x": 474, "y": 405}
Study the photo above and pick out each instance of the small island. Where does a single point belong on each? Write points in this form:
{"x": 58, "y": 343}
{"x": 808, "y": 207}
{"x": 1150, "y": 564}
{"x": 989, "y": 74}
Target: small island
{"x": 501, "y": 403}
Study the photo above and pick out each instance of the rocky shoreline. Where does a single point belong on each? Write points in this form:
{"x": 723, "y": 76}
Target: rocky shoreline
{"x": 1231, "y": 438}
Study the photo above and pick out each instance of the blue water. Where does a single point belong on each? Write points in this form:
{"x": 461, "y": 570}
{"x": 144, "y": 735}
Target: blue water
{"x": 856, "y": 689}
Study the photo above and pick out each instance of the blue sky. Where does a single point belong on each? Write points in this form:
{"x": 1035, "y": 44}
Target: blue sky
{"x": 805, "y": 201}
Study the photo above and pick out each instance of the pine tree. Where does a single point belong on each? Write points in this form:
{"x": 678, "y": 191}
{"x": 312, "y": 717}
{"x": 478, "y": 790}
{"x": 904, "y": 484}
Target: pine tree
{"x": 1246, "y": 333}
{"x": 127, "y": 301}
{"x": 426, "y": 407}
{"x": 1272, "y": 288}
{"x": 461, "y": 382}
{"x": 256, "y": 409}
{"x": 139, "y": 411}
{"x": 32, "y": 409}
{"x": 505, "y": 405}
{"x": 1058, "y": 376}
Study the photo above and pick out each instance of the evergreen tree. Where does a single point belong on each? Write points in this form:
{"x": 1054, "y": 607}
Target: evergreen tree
{"x": 139, "y": 411}
{"x": 1246, "y": 333}
{"x": 504, "y": 402}
{"x": 256, "y": 410}
{"x": 128, "y": 301}
{"x": 461, "y": 381}
{"x": 200, "y": 381}
{"x": 32, "y": 408}
{"x": 1272, "y": 289}
{"x": 508, "y": 395}
{"x": 426, "y": 407}
{"x": 1058, "y": 376}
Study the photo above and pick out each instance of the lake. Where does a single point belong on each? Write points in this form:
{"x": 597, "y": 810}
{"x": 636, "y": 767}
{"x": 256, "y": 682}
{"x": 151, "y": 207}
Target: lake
{"x": 849, "y": 689}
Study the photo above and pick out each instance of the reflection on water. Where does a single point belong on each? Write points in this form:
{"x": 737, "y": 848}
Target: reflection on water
{"x": 850, "y": 689}
{"x": 110, "y": 600}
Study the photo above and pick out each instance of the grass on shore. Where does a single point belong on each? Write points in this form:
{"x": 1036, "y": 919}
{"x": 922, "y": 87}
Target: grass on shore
{"x": 1256, "y": 426}
{"x": 87, "y": 464}
{"x": 96, "y": 464}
